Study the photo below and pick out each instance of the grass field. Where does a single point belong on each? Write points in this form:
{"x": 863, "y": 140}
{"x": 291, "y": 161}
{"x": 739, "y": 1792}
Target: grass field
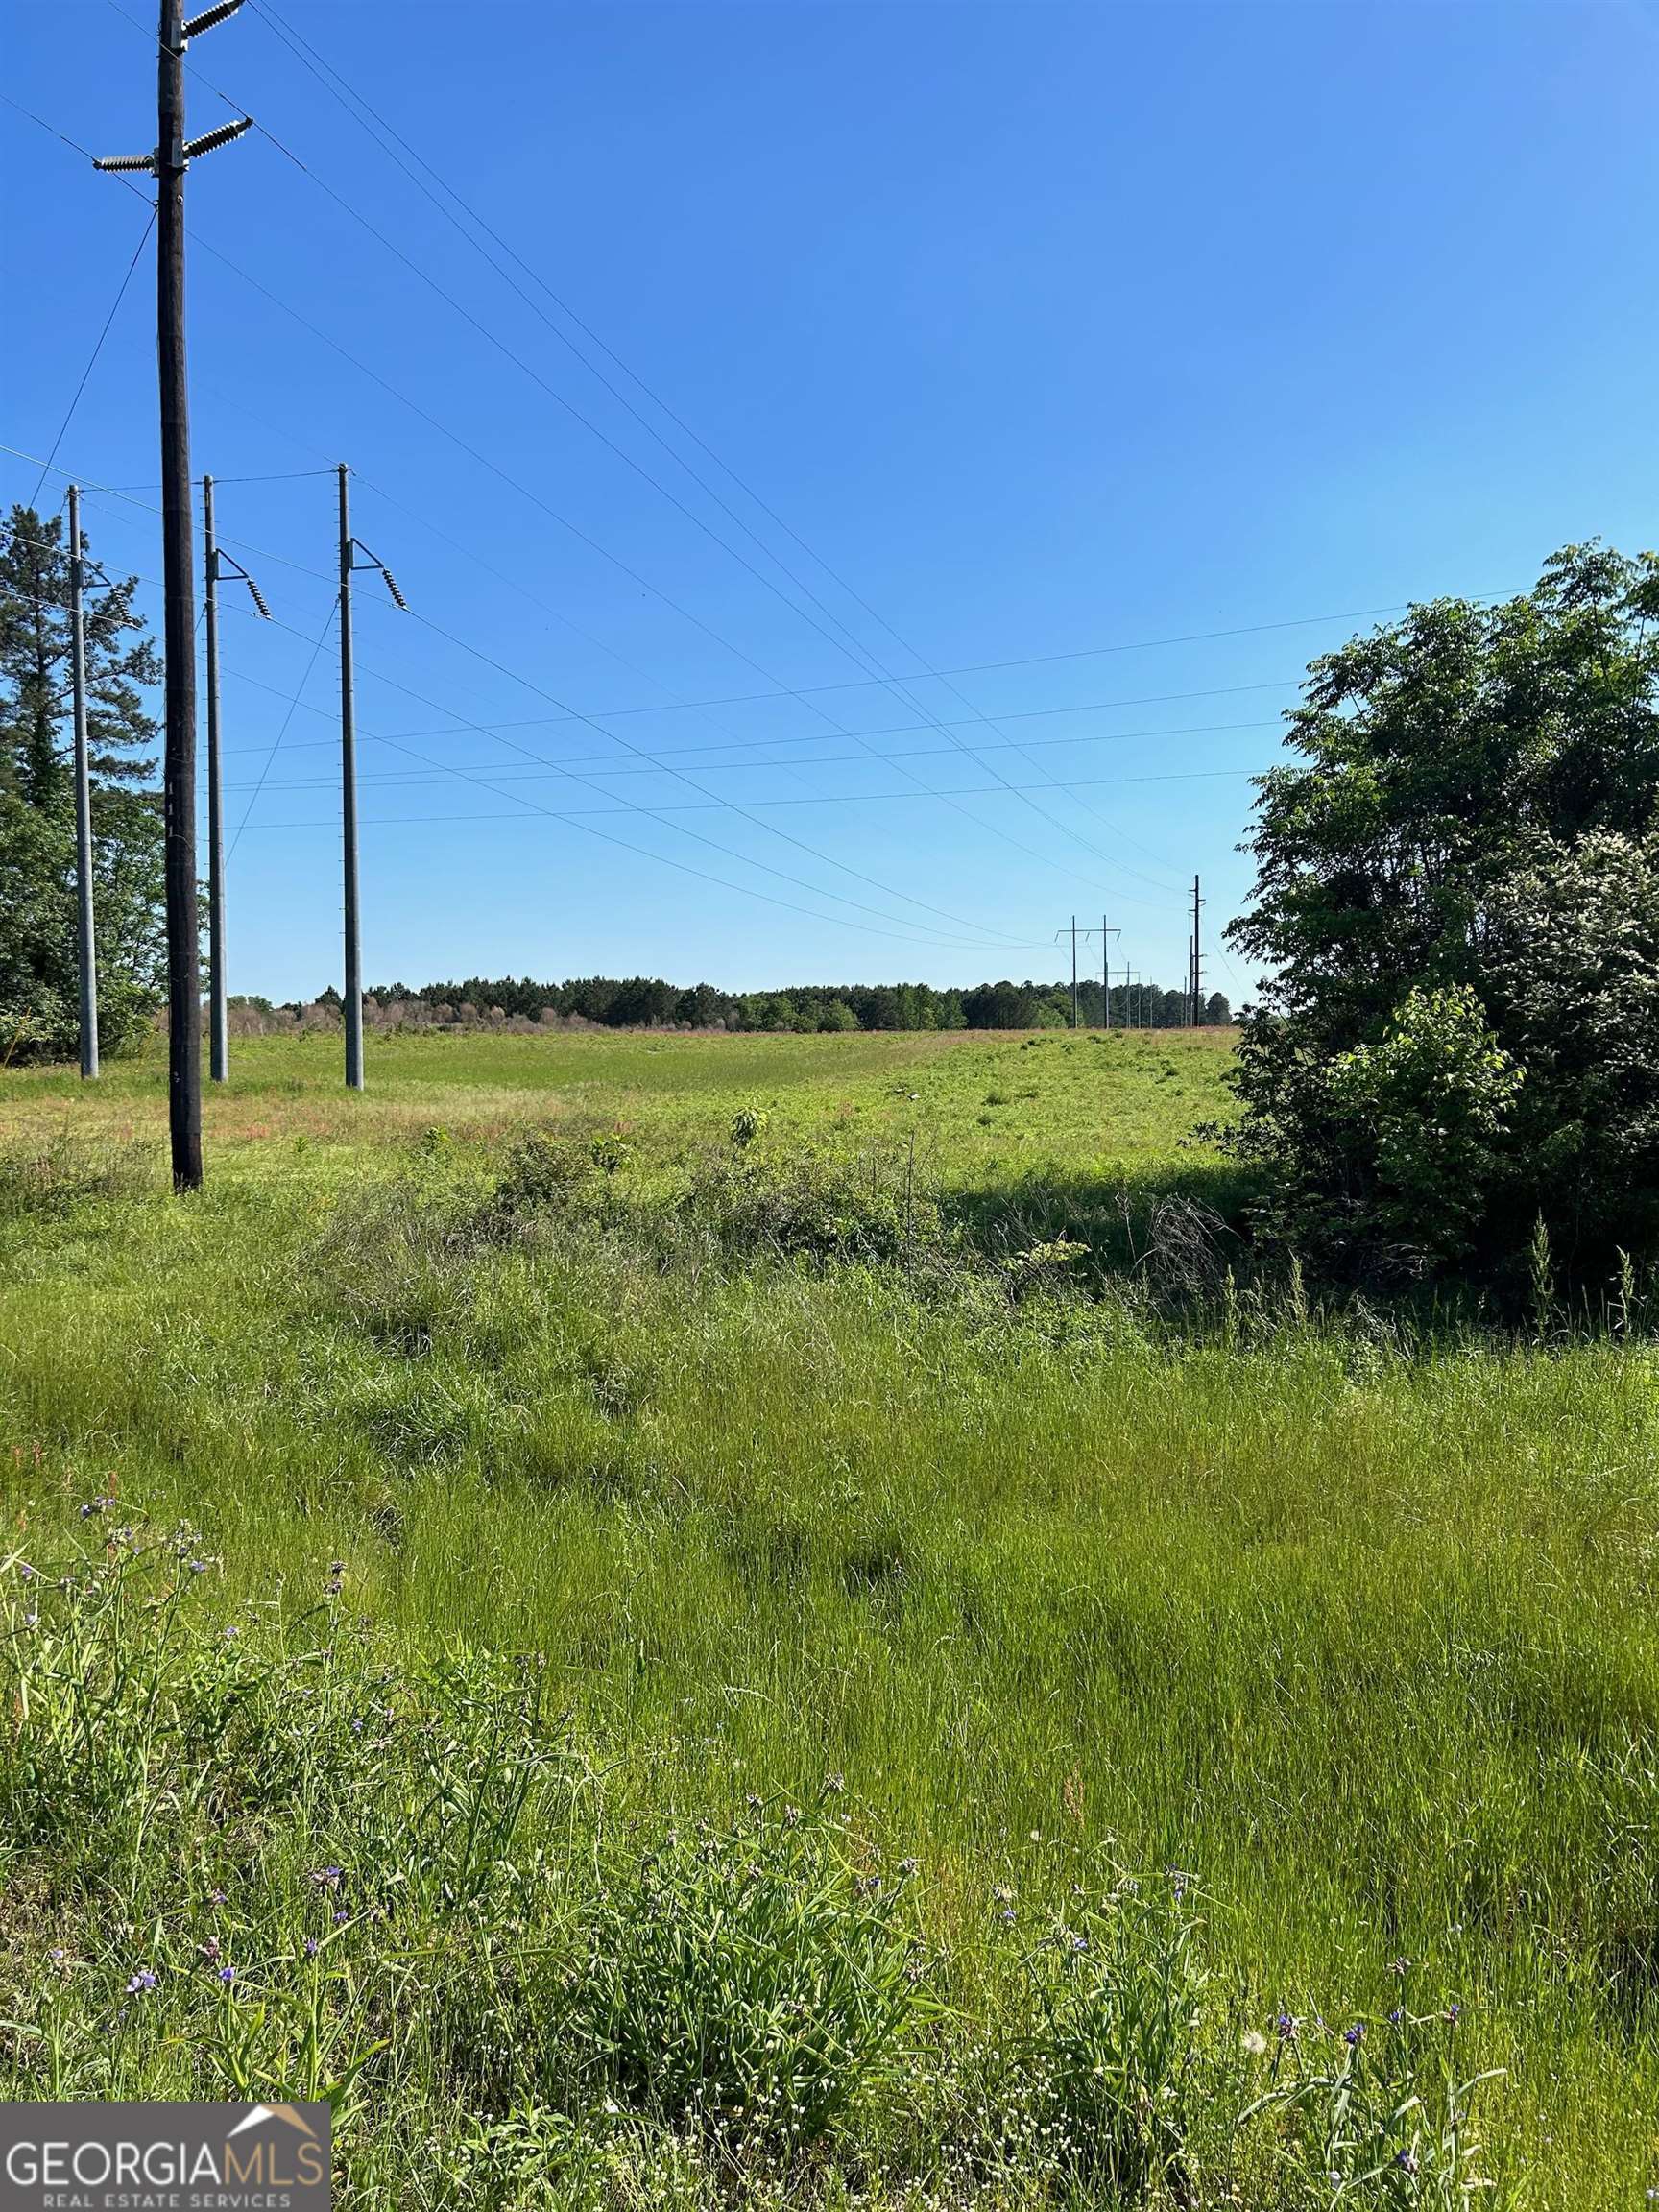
{"x": 584, "y": 1436}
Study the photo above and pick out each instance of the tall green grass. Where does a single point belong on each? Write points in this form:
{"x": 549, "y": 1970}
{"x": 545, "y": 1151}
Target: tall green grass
{"x": 787, "y": 1428}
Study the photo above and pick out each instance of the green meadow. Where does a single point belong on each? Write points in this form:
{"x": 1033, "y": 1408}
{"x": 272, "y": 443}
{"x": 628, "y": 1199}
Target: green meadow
{"x": 798, "y": 1620}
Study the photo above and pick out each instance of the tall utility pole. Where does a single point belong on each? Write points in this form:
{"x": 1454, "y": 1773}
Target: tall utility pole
{"x": 215, "y": 564}
{"x": 218, "y": 1042}
{"x": 1106, "y": 937}
{"x": 352, "y": 1008}
{"x": 172, "y": 154}
{"x": 1073, "y": 971}
{"x": 1197, "y": 956}
{"x": 88, "y": 946}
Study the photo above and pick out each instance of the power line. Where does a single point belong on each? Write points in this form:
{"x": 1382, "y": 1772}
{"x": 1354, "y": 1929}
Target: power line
{"x": 92, "y": 363}
{"x": 610, "y": 770}
{"x": 713, "y": 800}
{"x": 854, "y": 650}
{"x": 840, "y": 799}
{"x": 293, "y": 704}
{"x": 897, "y": 728}
{"x": 870, "y": 683}
{"x": 324, "y": 71}
{"x": 770, "y": 828}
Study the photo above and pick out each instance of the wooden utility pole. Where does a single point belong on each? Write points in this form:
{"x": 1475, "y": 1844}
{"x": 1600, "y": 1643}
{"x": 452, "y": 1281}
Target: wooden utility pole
{"x": 350, "y": 549}
{"x": 218, "y": 1007}
{"x": 87, "y": 948}
{"x": 178, "y": 581}
{"x": 353, "y": 1007}
{"x": 1073, "y": 971}
{"x": 1106, "y": 937}
{"x": 167, "y": 164}
{"x": 217, "y": 563}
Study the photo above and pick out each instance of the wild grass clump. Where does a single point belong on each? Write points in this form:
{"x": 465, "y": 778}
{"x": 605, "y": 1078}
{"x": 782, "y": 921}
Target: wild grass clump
{"x": 758, "y": 1979}
{"x": 1113, "y": 2046}
{"x": 1375, "y": 2113}
{"x": 732, "y": 1204}
{"x": 50, "y": 1176}
{"x": 254, "y": 1841}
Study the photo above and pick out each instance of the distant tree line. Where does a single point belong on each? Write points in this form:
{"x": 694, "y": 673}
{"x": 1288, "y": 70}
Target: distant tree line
{"x": 648, "y": 1002}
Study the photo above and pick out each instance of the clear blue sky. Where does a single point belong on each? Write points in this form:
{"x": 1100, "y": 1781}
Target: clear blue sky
{"x": 1048, "y": 327}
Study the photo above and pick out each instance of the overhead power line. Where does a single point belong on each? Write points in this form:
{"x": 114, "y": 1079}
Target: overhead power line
{"x": 581, "y": 814}
{"x": 610, "y": 770}
{"x": 357, "y": 105}
{"x": 868, "y": 683}
{"x": 770, "y": 828}
{"x": 92, "y": 362}
{"x": 846, "y": 645}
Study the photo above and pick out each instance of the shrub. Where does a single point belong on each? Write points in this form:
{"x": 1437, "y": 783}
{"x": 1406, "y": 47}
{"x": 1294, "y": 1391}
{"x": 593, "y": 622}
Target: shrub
{"x": 1430, "y": 1108}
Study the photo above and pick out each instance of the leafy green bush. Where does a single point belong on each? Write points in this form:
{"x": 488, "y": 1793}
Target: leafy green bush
{"x": 1429, "y": 1106}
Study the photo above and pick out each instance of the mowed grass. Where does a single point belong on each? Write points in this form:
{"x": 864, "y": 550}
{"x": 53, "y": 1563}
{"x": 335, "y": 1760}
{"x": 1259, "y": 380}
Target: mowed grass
{"x": 1354, "y": 1625}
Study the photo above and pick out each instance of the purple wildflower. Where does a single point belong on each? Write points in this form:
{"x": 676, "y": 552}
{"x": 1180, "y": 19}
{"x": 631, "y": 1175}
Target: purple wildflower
{"x": 144, "y": 1979}
{"x": 227, "y": 1975}
{"x": 1354, "y": 2037}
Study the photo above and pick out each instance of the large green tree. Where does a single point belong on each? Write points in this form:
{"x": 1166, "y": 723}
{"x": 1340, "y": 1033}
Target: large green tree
{"x": 39, "y": 990}
{"x": 1457, "y": 906}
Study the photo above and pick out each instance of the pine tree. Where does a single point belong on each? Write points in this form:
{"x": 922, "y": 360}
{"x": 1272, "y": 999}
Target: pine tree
{"x": 39, "y": 993}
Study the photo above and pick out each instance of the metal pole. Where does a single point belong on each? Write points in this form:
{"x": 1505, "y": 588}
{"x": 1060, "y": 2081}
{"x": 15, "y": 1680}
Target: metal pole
{"x": 218, "y": 1014}
{"x": 1105, "y": 975}
{"x": 353, "y": 1006}
{"x": 179, "y": 767}
{"x": 1073, "y": 971}
{"x": 89, "y": 943}
{"x": 1197, "y": 958}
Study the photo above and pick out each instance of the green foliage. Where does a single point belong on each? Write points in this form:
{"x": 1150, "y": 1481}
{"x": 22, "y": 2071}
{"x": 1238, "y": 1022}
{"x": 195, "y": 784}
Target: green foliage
{"x": 39, "y": 993}
{"x": 1469, "y": 846}
{"x": 1114, "y": 2049}
{"x": 253, "y": 1853}
{"x": 1434, "y": 1099}
{"x": 1377, "y": 2113}
{"x": 757, "y": 1980}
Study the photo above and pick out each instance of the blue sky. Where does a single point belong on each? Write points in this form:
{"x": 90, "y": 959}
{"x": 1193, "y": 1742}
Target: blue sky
{"x": 1052, "y": 330}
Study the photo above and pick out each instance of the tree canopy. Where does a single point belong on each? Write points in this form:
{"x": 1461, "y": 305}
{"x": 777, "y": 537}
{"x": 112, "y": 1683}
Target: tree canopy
{"x": 1457, "y": 903}
{"x": 39, "y": 1007}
